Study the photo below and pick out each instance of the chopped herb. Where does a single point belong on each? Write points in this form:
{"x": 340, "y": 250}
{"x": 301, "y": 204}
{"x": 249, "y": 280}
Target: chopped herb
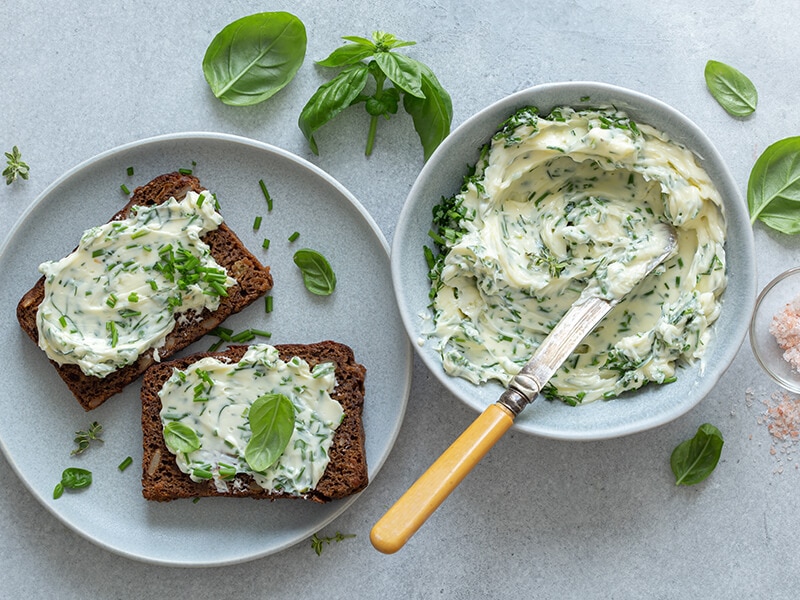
{"x": 130, "y": 171}
{"x": 185, "y": 171}
{"x": 72, "y": 479}
{"x": 268, "y": 304}
{"x": 257, "y": 223}
{"x": 317, "y": 543}
{"x": 125, "y": 463}
{"x": 265, "y": 244}
{"x": 294, "y": 236}
{"x": 267, "y": 197}
{"x": 124, "y": 189}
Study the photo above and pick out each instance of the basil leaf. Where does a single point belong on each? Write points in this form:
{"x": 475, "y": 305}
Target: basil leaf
{"x": 318, "y": 276}
{"x": 731, "y": 88}
{"x": 271, "y": 420}
{"x": 330, "y": 99}
{"x": 73, "y": 479}
{"x": 403, "y": 71}
{"x": 432, "y": 115}
{"x": 254, "y": 57}
{"x": 693, "y": 460}
{"x": 180, "y": 438}
{"x": 349, "y": 54}
{"x": 773, "y": 190}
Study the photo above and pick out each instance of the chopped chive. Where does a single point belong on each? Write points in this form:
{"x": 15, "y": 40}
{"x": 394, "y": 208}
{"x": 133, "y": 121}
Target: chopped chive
{"x": 268, "y": 304}
{"x": 112, "y": 329}
{"x": 133, "y": 297}
{"x": 261, "y": 333}
{"x": 137, "y": 234}
{"x": 267, "y": 197}
{"x": 200, "y": 199}
{"x": 98, "y": 252}
{"x": 125, "y": 463}
{"x": 185, "y": 171}
{"x": 257, "y": 223}
{"x": 215, "y": 346}
{"x": 265, "y": 244}
{"x": 124, "y": 189}
{"x": 243, "y": 336}
{"x": 130, "y": 171}
{"x": 294, "y": 236}
{"x": 63, "y": 321}
{"x": 111, "y": 301}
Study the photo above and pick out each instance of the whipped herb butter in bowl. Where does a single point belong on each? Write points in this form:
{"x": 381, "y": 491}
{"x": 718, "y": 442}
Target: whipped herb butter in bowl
{"x": 568, "y": 187}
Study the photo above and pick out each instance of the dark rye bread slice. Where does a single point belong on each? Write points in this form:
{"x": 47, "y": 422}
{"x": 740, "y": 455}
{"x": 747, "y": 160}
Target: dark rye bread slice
{"x": 346, "y": 472}
{"x": 253, "y": 281}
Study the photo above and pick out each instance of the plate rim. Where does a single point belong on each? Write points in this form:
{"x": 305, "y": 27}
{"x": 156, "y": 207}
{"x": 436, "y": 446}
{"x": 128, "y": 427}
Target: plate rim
{"x": 374, "y": 465}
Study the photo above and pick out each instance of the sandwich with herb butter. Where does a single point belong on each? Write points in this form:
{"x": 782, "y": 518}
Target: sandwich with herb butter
{"x": 255, "y": 421}
{"x": 161, "y": 274}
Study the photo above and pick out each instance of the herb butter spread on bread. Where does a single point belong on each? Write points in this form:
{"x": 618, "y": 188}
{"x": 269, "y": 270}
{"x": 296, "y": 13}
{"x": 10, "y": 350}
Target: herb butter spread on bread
{"x": 207, "y": 410}
{"x": 161, "y": 274}
{"x": 198, "y": 426}
{"x": 115, "y": 295}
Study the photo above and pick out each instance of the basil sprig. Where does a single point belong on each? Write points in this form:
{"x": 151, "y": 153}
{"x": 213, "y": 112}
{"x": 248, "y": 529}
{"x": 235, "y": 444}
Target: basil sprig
{"x": 731, "y": 88}
{"x": 423, "y": 96}
{"x": 318, "y": 276}
{"x": 271, "y": 419}
{"x": 695, "y": 459}
{"x": 254, "y": 57}
{"x": 773, "y": 190}
{"x": 72, "y": 479}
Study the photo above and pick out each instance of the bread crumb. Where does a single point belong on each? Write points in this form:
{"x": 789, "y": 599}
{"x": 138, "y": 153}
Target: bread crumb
{"x": 785, "y": 328}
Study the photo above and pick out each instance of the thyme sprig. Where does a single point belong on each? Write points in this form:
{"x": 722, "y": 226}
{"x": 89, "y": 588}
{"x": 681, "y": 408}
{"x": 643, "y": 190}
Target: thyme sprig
{"x": 318, "y": 543}
{"x": 84, "y": 438}
{"x": 16, "y": 167}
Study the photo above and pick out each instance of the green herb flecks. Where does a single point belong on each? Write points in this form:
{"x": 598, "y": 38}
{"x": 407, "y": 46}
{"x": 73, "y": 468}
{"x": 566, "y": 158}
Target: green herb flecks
{"x": 318, "y": 543}
{"x": 15, "y": 166}
{"x": 422, "y": 95}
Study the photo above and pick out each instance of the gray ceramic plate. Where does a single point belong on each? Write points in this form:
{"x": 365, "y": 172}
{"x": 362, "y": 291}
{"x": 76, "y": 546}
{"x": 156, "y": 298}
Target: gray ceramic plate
{"x": 649, "y": 407}
{"x": 38, "y": 419}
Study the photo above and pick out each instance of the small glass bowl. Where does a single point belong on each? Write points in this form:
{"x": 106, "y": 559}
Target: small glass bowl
{"x": 772, "y": 300}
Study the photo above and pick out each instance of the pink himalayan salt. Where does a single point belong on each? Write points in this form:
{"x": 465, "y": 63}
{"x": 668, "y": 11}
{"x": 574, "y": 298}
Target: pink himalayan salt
{"x": 785, "y": 327}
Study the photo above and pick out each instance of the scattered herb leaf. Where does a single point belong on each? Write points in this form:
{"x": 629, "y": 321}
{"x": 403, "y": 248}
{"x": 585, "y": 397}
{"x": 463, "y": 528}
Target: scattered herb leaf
{"x": 318, "y": 276}
{"x": 180, "y": 437}
{"x": 271, "y": 419}
{"x": 424, "y": 98}
{"x": 254, "y": 57}
{"x": 731, "y": 88}
{"x": 773, "y": 190}
{"x": 317, "y": 543}
{"x": 72, "y": 479}
{"x": 693, "y": 460}
{"x": 84, "y": 438}
{"x": 15, "y": 167}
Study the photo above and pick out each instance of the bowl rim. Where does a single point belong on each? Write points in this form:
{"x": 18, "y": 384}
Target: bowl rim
{"x": 682, "y": 130}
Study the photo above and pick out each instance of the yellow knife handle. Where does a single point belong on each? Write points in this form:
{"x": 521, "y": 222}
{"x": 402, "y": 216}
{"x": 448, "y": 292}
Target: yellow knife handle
{"x": 414, "y": 507}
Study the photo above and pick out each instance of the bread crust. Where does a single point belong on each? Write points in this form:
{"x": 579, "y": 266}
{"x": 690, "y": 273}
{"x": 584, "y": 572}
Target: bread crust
{"x": 346, "y": 473}
{"x": 253, "y": 280}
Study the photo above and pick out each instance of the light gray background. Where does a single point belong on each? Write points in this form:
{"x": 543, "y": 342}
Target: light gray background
{"x": 537, "y": 518}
